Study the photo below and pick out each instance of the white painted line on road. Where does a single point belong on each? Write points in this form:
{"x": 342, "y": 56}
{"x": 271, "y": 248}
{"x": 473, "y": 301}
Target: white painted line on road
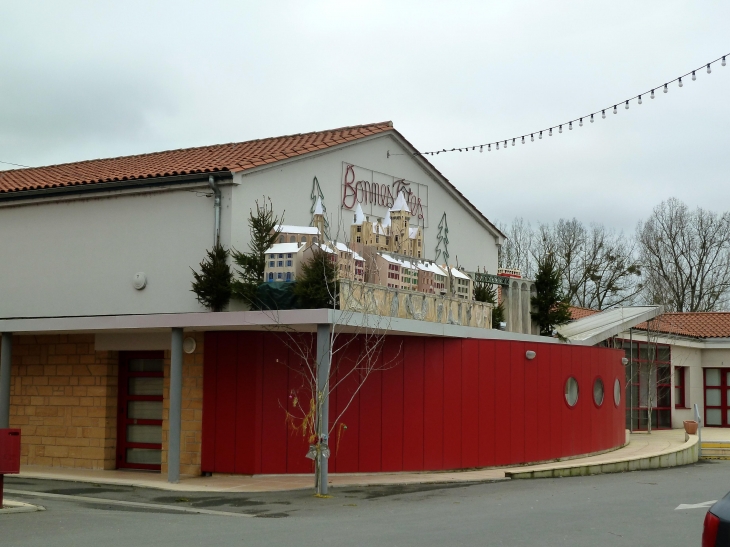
{"x": 703, "y": 505}
{"x": 101, "y": 501}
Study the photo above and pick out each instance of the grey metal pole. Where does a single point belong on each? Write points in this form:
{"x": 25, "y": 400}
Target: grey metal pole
{"x": 6, "y": 353}
{"x": 698, "y": 419}
{"x": 631, "y": 380}
{"x": 323, "y": 371}
{"x": 173, "y": 437}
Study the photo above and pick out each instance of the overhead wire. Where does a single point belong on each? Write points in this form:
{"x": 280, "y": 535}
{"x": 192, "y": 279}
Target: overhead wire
{"x": 579, "y": 119}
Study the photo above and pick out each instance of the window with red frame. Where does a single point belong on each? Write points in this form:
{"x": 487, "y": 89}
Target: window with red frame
{"x": 648, "y": 385}
{"x": 679, "y": 387}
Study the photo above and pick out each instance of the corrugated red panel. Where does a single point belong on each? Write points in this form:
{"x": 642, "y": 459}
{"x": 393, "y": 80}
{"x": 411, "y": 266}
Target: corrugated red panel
{"x": 298, "y": 403}
{"x": 347, "y": 433}
{"x": 532, "y": 371}
{"x": 249, "y": 382}
{"x": 505, "y": 420}
{"x": 452, "y": 404}
{"x": 413, "y": 402}
{"x": 392, "y": 419}
{"x": 371, "y": 405}
{"x": 432, "y": 404}
{"x": 517, "y": 401}
{"x": 556, "y": 402}
{"x": 543, "y": 409}
{"x": 225, "y": 397}
{"x": 470, "y": 403}
{"x": 487, "y": 395}
{"x": 274, "y": 430}
{"x": 433, "y": 411}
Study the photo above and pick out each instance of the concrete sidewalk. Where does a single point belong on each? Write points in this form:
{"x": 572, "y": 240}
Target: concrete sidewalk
{"x": 641, "y": 448}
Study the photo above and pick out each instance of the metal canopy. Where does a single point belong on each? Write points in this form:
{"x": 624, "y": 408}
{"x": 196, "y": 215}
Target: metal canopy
{"x": 290, "y": 320}
{"x": 603, "y": 325}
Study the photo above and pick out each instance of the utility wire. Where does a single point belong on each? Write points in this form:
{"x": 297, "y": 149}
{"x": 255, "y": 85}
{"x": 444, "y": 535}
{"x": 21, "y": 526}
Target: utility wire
{"x": 589, "y": 116}
{"x": 15, "y": 164}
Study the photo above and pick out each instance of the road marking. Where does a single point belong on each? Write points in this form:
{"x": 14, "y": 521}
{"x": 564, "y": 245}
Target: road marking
{"x": 101, "y": 501}
{"x": 703, "y": 505}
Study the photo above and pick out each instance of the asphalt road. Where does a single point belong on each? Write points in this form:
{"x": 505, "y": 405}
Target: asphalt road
{"x": 632, "y": 509}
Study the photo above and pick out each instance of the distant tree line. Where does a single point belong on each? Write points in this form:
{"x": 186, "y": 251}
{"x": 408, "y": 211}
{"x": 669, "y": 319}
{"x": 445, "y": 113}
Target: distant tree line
{"x": 677, "y": 257}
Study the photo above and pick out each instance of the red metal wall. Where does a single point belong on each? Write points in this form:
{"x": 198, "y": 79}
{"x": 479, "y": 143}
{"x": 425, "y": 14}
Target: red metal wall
{"x": 437, "y": 403}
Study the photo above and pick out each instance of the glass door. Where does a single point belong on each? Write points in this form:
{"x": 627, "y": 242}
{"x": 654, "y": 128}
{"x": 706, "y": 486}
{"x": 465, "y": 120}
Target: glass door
{"x": 717, "y": 397}
{"x": 139, "y": 412}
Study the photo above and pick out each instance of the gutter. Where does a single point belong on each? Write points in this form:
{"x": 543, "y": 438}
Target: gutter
{"x": 99, "y": 187}
{"x": 217, "y": 209}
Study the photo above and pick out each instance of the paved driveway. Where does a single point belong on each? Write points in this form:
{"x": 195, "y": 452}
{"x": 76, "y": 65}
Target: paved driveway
{"x": 634, "y": 509}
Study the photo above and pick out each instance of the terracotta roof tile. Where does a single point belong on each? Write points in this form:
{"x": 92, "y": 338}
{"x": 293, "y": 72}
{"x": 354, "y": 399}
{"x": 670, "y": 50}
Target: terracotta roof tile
{"x": 204, "y": 159}
{"x": 692, "y": 324}
{"x": 576, "y": 312}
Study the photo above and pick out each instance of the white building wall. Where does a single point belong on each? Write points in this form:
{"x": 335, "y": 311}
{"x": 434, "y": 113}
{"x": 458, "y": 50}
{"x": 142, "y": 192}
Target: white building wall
{"x": 79, "y": 257}
{"x": 692, "y": 359}
{"x": 289, "y": 185}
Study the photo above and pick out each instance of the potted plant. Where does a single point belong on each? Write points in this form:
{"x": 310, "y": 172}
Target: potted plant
{"x": 690, "y": 426}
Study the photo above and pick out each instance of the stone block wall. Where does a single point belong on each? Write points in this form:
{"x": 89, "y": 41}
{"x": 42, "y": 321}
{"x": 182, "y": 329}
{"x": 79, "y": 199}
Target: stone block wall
{"x": 382, "y": 301}
{"x": 63, "y": 397}
{"x": 191, "y": 434}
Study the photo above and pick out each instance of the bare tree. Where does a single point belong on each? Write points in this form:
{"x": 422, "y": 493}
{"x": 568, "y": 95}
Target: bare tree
{"x": 355, "y": 351}
{"x": 686, "y": 257}
{"x": 598, "y": 266}
{"x": 516, "y": 252}
{"x": 608, "y": 272}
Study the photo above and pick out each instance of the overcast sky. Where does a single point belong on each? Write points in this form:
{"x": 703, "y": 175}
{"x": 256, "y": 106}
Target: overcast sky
{"x": 82, "y": 80}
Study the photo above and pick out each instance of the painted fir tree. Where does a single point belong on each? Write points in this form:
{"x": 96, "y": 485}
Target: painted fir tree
{"x": 442, "y": 241}
{"x": 317, "y": 193}
{"x": 551, "y": 305}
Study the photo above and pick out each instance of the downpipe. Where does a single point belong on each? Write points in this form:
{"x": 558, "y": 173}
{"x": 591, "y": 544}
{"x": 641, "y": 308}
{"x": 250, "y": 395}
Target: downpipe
{"x": 217, "y": 209}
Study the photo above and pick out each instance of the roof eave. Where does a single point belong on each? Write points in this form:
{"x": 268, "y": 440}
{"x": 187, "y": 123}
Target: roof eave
{"x": 110, "y": 186}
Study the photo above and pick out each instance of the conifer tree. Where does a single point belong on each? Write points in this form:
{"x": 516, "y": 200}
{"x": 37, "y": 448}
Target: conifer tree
{"x": 552, "y": 306}
{"x": 250, "y": 266}
{"x": 317, "y": 286}
{"x": 485, "y": 292}
{"x": 212, "y": 285}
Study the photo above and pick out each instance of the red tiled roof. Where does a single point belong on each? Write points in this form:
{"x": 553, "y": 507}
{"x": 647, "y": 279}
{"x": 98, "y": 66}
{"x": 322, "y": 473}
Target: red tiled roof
{"x": 692, "y": 324}
{"x": 205, "y": 159}
{"x": 576, "y": 312}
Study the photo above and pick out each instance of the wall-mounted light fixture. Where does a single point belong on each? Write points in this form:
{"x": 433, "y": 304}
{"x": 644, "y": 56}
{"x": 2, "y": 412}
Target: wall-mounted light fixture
{"x": 139, "y": 281}
{"x": 624, "y": 361}
{"x": 189, "y": 344}
{"x": 530, "y": 355}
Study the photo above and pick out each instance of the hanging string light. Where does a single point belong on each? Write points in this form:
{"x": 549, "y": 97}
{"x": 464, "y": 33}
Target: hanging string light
{"x": 626, "y": 102}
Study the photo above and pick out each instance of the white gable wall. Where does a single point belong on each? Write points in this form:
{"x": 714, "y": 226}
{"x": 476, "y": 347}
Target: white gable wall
{"x": 289, "y": 185}
{"x": 79, "y": 257}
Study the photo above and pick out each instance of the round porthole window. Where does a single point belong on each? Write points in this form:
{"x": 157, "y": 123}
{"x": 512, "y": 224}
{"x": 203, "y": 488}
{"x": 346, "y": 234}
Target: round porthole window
{"x": 571, "y": 391}
{"x": 598, "y": 392}
{"x": 616, "y": 392}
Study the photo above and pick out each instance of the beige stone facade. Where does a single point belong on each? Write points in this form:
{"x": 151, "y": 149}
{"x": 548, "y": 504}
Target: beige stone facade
{"x": 63, "y": 398}
{"x": 392, "y": 302}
